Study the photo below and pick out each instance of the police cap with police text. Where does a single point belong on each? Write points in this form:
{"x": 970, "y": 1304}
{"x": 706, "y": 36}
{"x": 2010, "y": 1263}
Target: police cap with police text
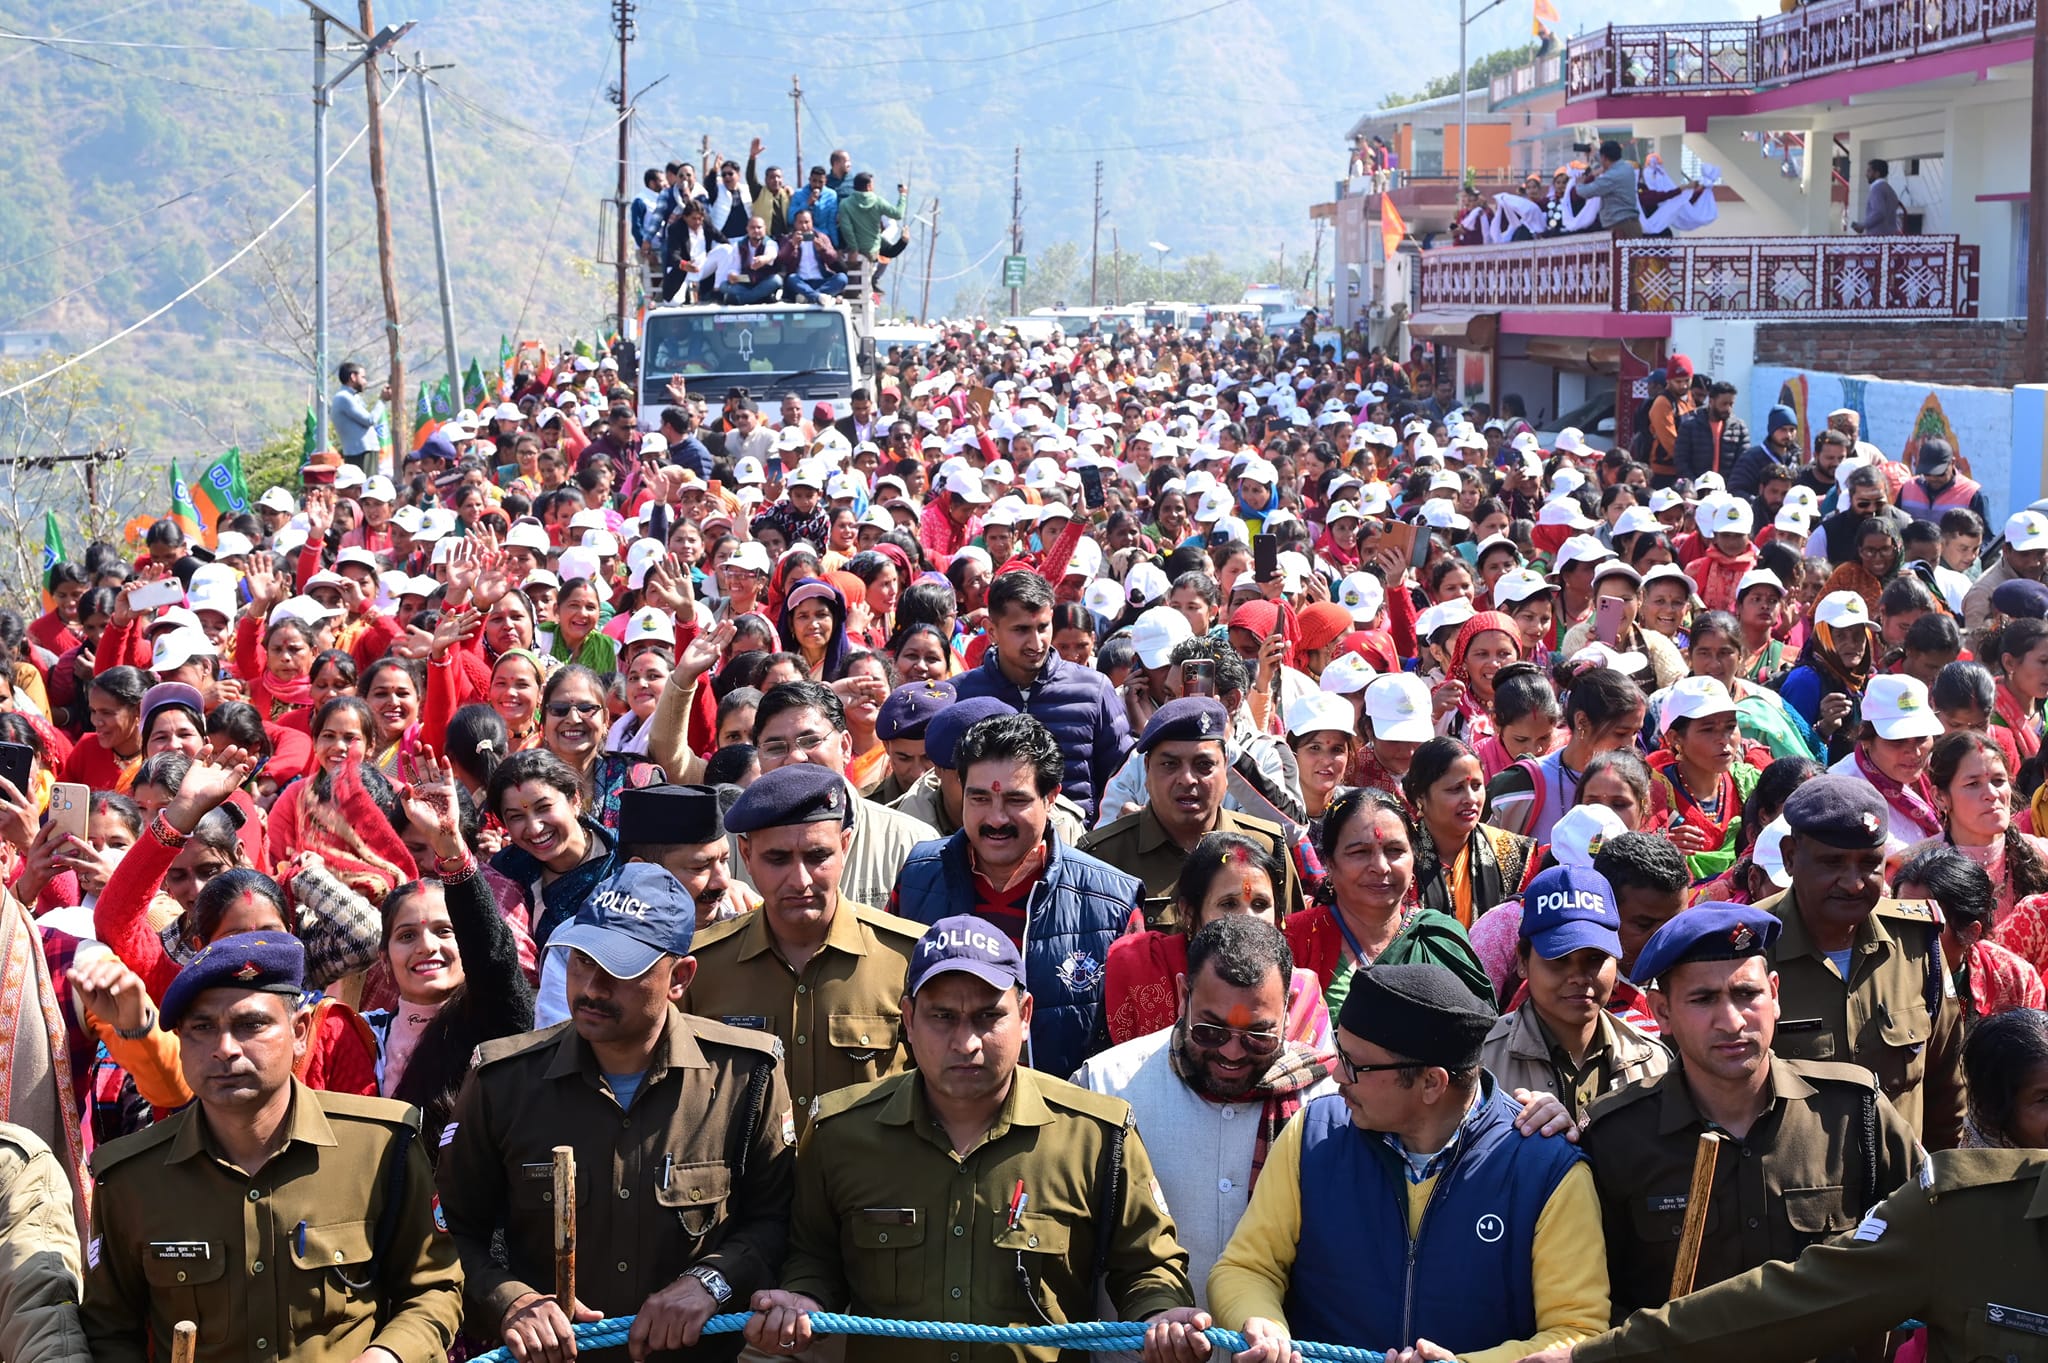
{"x": 636, "y": 915}
{"x": 969, "y": 945}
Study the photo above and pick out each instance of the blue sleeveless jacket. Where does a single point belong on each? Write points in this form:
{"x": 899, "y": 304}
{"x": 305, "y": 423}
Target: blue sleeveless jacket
{"x": 1077, "y": 908}
{"x": 1465, "y": 1281}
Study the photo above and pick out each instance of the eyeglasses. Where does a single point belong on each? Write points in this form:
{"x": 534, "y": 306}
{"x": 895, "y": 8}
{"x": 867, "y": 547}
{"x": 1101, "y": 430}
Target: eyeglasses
{"x": 1214, "y": 1036}
{"x": 562, "y": 709}
{"x": 1352, "y": 1069}
{"x": 805, "y": 743}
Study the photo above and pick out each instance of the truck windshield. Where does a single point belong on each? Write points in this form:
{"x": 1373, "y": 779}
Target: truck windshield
{"x": 776, "y": 341}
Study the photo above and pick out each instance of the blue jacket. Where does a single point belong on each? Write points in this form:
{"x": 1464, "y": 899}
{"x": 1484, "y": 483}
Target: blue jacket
{"x": 1465, "y": 1281}
{"x": 1081, "y": 708}
{"x": 1077, "y": 908}
{"x": 824, "y": 213}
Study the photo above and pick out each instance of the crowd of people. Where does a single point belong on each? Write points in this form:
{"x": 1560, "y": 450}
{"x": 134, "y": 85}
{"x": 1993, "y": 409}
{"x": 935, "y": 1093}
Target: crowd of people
{"x": 1609, "y": 194}
{"x": 1185, "y": 827}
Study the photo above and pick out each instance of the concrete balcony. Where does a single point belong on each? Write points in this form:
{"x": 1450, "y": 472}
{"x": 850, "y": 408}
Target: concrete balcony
{"x": 1597, "y": 285}
{"x": 1746, "y": 57}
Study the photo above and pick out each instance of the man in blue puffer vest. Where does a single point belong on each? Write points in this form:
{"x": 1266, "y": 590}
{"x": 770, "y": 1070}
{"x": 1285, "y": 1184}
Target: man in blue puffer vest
{"x": 1007, "y": 866}
{"x": 1405, "y": 1212}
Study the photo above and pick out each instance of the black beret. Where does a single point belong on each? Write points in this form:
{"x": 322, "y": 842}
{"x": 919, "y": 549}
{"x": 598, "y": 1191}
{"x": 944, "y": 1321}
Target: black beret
{"x": 1189, "y": 719}
{"x": 1706, "y": 932}
{"x": 654, "y": 815}
{"x": 271, "y": 962}
{"x": 1839, "y": 811}
{"x": 799, "y": 793}
{"x": 1417, "y": 1012}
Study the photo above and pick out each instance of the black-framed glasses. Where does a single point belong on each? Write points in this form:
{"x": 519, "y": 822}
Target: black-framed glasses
{"x": 1214, "y": 1036}
{"x": 1352, "y": 1069}
{"x": 562, "y": 709}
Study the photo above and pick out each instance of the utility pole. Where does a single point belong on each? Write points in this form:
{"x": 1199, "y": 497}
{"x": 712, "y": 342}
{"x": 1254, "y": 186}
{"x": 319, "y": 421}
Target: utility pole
{"x": 622, "y": 24}
{"x": 2036, "y": 354}
{"x": 1016, "y": 221}
{"x": 796, "y": 105}
{"x": 440, "y": 239}
{"x": 931, "y": 248}
{"x": 1116, "y": 266}
{"x": 322, "y": 100}
{"x": 387, "y": 270}
{"x": 1095, "y": 236}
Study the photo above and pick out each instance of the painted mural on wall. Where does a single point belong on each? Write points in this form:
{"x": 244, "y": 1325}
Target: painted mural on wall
{"x": 1896, "y": 417}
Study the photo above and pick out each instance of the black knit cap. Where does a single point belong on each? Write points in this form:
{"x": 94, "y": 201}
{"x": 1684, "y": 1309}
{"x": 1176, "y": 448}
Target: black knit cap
{"x": 1417, "y": 1012}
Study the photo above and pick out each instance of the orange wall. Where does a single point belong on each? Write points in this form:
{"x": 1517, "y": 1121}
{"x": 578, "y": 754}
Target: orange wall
{"x": 1489, "y": 147}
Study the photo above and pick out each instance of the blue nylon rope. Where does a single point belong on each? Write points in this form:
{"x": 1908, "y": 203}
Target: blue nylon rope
{"x": 1095, "y": 1336}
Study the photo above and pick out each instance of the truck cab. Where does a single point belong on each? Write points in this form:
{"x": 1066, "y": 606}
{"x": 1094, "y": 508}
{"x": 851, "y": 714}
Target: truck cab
{"x": 768, "y": 349}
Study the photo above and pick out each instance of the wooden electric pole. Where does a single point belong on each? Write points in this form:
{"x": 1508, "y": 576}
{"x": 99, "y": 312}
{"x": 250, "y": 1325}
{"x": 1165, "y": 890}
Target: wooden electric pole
{"x": 1095, "y": 236}
{"x": 622, "y": 23}
{"x": 931, "y": 248}
{"x": 1116, "y": 267}
{"x": 387, "y": 269}
{"x": 1016, "y": 221}
{"x": 797, "y": 174}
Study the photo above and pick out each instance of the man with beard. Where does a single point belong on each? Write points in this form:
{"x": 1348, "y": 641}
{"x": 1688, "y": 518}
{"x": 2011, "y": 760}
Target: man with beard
{"x": 820, "y": 972}
{"x": 1217, "y": 1086}
{"x": 684, "y": 1141}
{"x": 972, "y": 1188}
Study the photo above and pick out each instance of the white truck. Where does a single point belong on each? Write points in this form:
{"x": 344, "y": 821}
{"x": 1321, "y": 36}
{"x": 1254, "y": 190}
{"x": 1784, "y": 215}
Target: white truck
{"x": 769, "y": 349}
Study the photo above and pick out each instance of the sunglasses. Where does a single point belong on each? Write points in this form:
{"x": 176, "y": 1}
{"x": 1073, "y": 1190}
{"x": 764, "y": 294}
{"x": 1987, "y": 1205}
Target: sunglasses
{"x": 1214, "y": 1036}
{"x": 562, "y": 709}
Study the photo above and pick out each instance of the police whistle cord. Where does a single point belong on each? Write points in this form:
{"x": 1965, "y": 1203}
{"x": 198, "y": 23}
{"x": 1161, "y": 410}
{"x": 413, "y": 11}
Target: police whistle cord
{"x": 1100, "y": 1336}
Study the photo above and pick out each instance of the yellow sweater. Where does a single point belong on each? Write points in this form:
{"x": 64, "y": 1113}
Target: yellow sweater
{"x": 1569, "y": 1275}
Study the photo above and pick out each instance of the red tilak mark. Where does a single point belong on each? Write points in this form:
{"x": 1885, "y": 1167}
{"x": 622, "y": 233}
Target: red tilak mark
{"x": 996, "y": 786}
{"x": 1241, "y": 855}
{"x": 1239, "y": 1016}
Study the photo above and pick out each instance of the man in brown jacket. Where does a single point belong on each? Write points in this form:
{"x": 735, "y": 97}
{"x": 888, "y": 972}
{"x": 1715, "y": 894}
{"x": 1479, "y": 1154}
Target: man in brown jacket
{"x": 38, "y": 1255}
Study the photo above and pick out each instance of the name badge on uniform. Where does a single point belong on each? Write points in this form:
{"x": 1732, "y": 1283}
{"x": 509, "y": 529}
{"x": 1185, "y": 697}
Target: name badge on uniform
{"x": 538, "y": 1173}
{"x": 1668, "y": 1202}
{"x": 889, "y": 1216}
{"x": 1799, "y": 1024}
{"x": 752, "y": 1021}
{"x": 2015, "y": 1319}
{"x": 180, "y": 1251}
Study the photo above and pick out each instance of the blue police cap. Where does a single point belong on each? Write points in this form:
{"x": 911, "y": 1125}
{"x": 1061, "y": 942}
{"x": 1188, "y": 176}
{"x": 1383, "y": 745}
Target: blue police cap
{"x": 2022, "y": 598}
{"x": 1189, "y": 719}
{"x": 969, "y": 945}
{"x": 910, "y": 707}
{"x": 801, "y": 792}
{"x": 942, "y": 736}
{"x": 269, "y": 962}
{"x": 637, "y": 915}
{"x": 1567, "y": 908}
{"x": 1840, "y": 811}
{"x": 1712, "y": 931}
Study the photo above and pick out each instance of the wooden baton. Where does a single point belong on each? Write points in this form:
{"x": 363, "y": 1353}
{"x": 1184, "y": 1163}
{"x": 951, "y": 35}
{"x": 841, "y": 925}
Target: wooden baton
{"x": 184, "y": 1342}
{"x": 565, "y": 1230}
{"x": 1703, "y": 1161}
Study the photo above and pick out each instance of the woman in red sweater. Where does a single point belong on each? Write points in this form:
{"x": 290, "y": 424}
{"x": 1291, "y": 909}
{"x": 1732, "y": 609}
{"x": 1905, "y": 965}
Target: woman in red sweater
{"x": 104, "y": 761}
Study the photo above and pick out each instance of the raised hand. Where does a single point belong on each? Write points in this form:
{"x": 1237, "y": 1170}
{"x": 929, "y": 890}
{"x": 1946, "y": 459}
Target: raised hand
{"x": 704, "y": 651}
{"x": 431, "y": 805}
{"x": 209, "y": 784}
{"x": 454, "y": 627}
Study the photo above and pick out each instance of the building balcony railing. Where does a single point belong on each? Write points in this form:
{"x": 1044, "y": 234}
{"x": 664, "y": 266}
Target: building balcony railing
{"x": 1520, "y": 81}
{"x": 1787, "y": 278}
{"x": 1818, "y": 39}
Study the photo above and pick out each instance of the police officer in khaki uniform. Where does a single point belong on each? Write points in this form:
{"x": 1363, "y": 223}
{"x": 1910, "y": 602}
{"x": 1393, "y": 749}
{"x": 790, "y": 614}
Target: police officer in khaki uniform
{"x": 683, "y": 1135}
{"x": 971, "y": 1188}
{"x": 38, "y": 1255}
{"x": 818, "y": 971}
{"x": 1809, "y": 1145}
{"x": 1187, "y": 771}
{"x": 291, "y": 1225}
{"x": 937, "y": 796}
{"x": 1860, "y": 976}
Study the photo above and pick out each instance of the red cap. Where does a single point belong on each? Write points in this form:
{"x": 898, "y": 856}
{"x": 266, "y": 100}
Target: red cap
{"x": 1678, "y": 367}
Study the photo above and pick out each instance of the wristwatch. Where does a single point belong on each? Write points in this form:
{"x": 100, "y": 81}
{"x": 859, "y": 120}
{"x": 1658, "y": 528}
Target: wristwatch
{"x": 714, "y": 1283}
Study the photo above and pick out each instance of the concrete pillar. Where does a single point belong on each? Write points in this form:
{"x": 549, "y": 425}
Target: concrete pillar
{"x": 1776, "y": 199}
{"x": 1993, "y": 226}
{"x": 2029, "y": 474}
{"x": 1818, "y": 215}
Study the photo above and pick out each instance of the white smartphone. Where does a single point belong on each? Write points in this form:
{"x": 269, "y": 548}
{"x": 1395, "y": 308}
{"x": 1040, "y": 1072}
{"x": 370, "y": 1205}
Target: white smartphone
{"x": 152, "y": 595}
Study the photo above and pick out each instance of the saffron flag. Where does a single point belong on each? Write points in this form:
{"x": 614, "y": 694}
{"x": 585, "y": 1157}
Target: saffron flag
{"x": 183, "y": 513}
{"x": 220, "y": 490}
{"x": 1545, "y": 20}
{"x": 1393, "y": 231}
{"x": 53, "y": 554}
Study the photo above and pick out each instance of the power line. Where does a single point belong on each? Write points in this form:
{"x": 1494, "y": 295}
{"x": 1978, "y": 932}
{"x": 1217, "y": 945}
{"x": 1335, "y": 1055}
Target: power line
{"x": 1033, "y": 47}
{"x": 86, "y": 23}
{"x": 211, "y": 275}
{"x": 568, "y": 177}
{"x": 143, "y": 75}
{"x": 119, "y": 42}
{"x": 134, "y": 217}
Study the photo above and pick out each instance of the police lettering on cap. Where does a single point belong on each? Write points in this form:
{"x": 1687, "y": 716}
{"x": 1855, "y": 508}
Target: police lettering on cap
{"x": 1567, "y": 908}
{"x": 1190, "y": 719}
{"x": 1417, "y": 1012}
{"x": 637, "y": 915}
{"x": 267, "y": 962}
{"x": 655, "y": 816}
{"x": 967, "y": 945}
{"x": 1839, "y": 811}
{"x": 1714, "y": 931}
{"x": 910, "y": 708}
{"x": 799, "y": 793}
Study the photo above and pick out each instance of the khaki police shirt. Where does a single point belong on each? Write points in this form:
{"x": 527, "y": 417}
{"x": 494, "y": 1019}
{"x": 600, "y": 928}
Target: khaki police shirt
{"x": 839, "y": 1018}
{"x": 1138, "y": 844}
{"x": 889, "y": 1221}
{"x": 697, "y": 1171}
{"x": 38, "y": 1255}
{"x": 1879, "y": 1018}
{"x": 1799, "y": 1175}
{"x": 282, "y": 1266}
{"x": 1960, "y": 1248}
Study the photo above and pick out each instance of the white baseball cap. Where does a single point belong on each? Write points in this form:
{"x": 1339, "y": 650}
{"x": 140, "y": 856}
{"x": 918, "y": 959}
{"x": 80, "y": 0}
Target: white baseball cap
{"x": 175, "y": 648}
{"x": 1793, "y": 520}
{"x": 1768, "y": 853}
{"x": 1322, "y": 712}
{"x": 1104, "y": 597}
{"x": 1214, "y": 506}
{"x": 1724, "y": 515}
{"x": 1696, "y": 698}
{"x": 1840, "y": 609}
{"x": 1600, "y": 655}
{"x": 1440, "y": 514}
{"x": 1565, "y": 511}
{"x": 1896, "y": 706}
{"x": 1580, "y": 549}
{"x": 232, "y": 545}
{"x": 1346, "y": 675}
{"x": 1758, "y": 577}
{"x": 1571, "y": 440}
{"x": 277, "y": 499}
{"x": 1669, "y": 572}
{"x": 752, "y": 557}
{"x": 1363, "y": 596}
{"x": 1518, "y": 585}
{"x": 1157, "y": 632}
{"x": 379, "y": 489}
{"x": 1146, "y": 584}
{"x": 1398, "y": 707}
{"x": 966, "y": 484}
{"x": 1635, "y": 520}
{"x": 1664, "y": 499}
{"x": 650, "y": 623}
{"x": 301, "y": 608}
{"x": 1803, "y": 497}
{"x": 2026, "y": 530}
{"x": 528, "y": 535}
{"x": 1582, "y": 831}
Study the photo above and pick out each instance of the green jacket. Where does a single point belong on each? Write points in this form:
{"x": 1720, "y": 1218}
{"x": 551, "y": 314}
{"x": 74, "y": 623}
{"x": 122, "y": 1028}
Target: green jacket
{"x": 860, "y": 219}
